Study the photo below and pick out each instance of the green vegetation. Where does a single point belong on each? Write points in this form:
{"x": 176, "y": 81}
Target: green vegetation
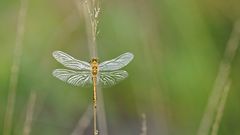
{"x": 178, "y": 47}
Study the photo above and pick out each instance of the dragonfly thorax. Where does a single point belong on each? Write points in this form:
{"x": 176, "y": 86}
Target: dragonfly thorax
{"x": 94, "y": 65}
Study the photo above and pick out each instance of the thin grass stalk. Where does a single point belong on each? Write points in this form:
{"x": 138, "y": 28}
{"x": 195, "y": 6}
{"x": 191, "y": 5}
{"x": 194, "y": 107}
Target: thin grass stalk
{"x": 102, "y": 122}
{"x": 220, "y": 109}
{"x": 221, "y": 80}
{"x": 93, "y": 52}
{"x": 91, "y": 40}
{"x": 91, "y": 11}
{"x": 144, "y": 125}
{"x": 15, "y": 68}
{"x": 29, "y": 114}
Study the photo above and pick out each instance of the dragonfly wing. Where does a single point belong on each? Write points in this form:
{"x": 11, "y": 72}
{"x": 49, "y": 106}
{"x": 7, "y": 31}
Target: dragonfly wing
{"x": 116, "y": 63}
{"x": 76, "y": 78}
{"x": 70, "y": 62}
{"x": 112, "y": 77}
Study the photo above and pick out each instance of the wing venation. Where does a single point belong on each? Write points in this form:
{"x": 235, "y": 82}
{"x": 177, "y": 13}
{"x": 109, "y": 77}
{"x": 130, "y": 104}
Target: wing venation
{"x": 112, "y": 77}
{"x": 76, "y": 78}
{"x": 116, "y": 63}
{"x": 70, "y": 62}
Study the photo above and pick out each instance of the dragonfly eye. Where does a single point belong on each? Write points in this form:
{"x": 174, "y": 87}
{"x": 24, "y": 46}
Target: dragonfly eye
{"x": 94, "y": 60}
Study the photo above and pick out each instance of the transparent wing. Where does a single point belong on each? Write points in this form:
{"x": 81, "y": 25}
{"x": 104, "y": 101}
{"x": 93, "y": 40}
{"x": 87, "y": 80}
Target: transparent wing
{"x": 76, "y": 78}
{"x": 116, "y": 63}
{"x": 70, "y": 62}
{"x": 112, "y": 78}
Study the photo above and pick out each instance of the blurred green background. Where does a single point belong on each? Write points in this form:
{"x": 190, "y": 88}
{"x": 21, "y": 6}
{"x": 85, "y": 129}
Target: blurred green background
{"x": 178, "y": 46}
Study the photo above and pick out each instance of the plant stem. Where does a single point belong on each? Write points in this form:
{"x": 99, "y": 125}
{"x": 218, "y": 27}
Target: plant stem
{"x": 29, "y": 114}
{"x": 144, "y": 125}
{"x": 221, "y": 80}
{"x": 220, "y": 110}
{"x": 15, "y": 68}
{"x": 91, "y": 11}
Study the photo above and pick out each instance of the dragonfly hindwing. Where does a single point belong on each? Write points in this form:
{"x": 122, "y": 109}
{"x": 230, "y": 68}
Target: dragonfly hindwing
{"x": 70, "y": 62}
{"x": 76, "y": 78}
{"x": 116, "y": 63}
{"x": 110, "y": 78}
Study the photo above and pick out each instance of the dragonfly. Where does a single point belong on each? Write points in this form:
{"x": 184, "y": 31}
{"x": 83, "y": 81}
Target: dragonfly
{"x": 82, "y": 73}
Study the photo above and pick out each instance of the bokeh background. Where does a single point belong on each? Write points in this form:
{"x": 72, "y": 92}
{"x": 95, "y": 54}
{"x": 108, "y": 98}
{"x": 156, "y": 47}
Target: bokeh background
{"x": 178, "y": 46}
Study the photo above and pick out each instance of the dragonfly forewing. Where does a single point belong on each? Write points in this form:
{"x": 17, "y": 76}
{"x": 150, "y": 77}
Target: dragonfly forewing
{"x": 70, "y": 62}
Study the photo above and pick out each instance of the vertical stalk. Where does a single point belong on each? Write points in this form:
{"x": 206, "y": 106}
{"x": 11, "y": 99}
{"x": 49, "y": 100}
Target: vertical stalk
{"x": 221, "y": 79}
{"x": 144, "y": 125}
{"x": 29, "y": 115}
{"x": 91, "y": 9}
{"x": 91, "y": 39}
{"x": 15, "y": 68}
{"x": 220, "y": 109}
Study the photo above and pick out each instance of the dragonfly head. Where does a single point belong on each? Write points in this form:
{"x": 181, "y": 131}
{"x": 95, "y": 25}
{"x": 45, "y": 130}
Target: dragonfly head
{"x": 94, "y": 60}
